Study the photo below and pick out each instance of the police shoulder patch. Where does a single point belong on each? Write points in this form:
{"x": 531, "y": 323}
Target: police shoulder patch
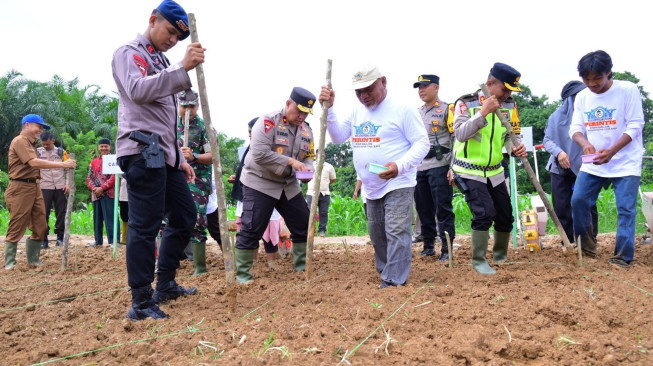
{"x": 141, "y": 64}
{"x": 269, "y": 124}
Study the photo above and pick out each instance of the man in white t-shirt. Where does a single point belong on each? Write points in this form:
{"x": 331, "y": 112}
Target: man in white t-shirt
{"x": 328, "y": 177}
{"x": 608, "y": 120}
{"x": 388, "y": 133}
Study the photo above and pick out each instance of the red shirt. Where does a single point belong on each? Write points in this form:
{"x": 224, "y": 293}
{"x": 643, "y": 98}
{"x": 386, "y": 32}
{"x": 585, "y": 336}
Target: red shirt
{"x": 95, "y": 178}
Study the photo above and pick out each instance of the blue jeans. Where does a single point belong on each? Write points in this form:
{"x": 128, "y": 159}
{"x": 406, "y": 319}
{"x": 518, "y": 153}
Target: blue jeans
{"x": 587, "y": 191}
{"x": 389, "y": 220}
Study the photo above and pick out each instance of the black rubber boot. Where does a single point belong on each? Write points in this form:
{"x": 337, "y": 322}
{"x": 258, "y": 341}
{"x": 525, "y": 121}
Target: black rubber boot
{"x": 168, "y": 289}
{"x": 44, "y": 244}
{"x": 143, "y": 305}
{"x": 588, "y": 245}
{"x": 444, "y": 252}
{"x": 429, "y": 248}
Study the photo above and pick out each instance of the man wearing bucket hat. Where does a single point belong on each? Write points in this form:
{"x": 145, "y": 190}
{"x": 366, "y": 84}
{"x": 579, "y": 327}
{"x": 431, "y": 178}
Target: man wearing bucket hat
{"x": 480, "y": 136}
{"x": 198, "y": 154}
{"x": 156, "y": 171}
{"x": 433, "y": 194}
{"x": 281, "y": 145}
{"x": 23, "y": 195}
{"x": 388, "y": 138}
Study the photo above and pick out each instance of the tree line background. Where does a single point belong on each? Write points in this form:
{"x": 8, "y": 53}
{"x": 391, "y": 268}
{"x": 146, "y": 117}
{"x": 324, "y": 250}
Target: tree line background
{"x": 81, "y": 115}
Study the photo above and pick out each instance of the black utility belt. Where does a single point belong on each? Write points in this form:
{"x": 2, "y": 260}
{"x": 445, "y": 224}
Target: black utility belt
{"x": 25, "y": 180}
{"x": 466, "y": 165}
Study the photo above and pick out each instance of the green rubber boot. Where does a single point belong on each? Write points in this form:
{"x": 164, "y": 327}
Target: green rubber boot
{"x": 244, "y": 262}
{"x": 10, "y": 254}
{"x": 33, "y": 249}
{"x": 199, "y": 258}
{"x": 299, "y": 256}
{"x": 123, "y": 234}
{"x": 479, "y": 249}
{"x": 500, "y": 249}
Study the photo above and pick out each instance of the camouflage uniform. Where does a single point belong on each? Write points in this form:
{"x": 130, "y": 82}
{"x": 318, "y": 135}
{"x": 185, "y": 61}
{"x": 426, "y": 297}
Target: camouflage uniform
{"x": 200, "y": 189}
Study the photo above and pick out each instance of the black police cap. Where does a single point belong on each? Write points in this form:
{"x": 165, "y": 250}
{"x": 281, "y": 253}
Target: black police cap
{"x": 506, "y": 74}
{"x": 303, "y": 98}
{"x": 427, "y": 79}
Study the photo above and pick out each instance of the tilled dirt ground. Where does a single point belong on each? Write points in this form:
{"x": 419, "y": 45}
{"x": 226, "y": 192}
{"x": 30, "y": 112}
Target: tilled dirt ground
{"x": 539, "y": 309}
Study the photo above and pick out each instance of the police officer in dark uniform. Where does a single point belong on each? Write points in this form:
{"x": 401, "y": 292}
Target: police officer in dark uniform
{"x": 156, "y": 171}
{"x": 23, "y": 195}
{"x": 433, "y": 194}
{"x": 480, "y": 137}
{"x": 280, "y": 146}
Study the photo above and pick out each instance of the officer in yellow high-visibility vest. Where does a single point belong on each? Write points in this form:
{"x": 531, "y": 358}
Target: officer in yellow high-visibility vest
{"x": 480, "y": 136}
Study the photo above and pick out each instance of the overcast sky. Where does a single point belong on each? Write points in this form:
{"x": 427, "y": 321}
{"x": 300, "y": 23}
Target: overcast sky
{"x": 258, "y": 50}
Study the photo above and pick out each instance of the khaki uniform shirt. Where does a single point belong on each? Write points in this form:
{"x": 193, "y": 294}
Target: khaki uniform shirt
{"x": 435, "y": 122}
{"x": 274, "y": 142}
{"x": 52, "y": 178}
{"x": 147, "y": 85}
{"x": 21, "y": 150}
{"x": 328, "y": 173}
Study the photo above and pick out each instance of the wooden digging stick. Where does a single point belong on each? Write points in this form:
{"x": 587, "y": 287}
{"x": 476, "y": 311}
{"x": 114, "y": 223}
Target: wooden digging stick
{"x": 531, "y": 174}
{"x": 227, "y": 251}
{"x": 450, "y": 247}
{"x": 69, "y": 212}
{"x": 186, "y": 122}
{"x": 317, "y": 177}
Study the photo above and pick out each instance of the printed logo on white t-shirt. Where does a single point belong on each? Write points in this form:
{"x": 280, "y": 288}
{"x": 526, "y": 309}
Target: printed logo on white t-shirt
{"x": 600, "y": 118}
{"x": 366, "y": 135}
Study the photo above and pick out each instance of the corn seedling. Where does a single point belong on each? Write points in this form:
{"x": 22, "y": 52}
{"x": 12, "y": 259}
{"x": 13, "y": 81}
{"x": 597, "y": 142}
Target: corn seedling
{"x": 346, "y": 246}
{"x": 267, "y": 343}
{"x": 590, "y": 292}
{"x": 285, "y": 352}
{"x": 155, "y": 329}
{"x": 376, "y": 305}
{"x": 386, "y": 343}
{"x": 497, "y": 300}
{"x": 565, "y": 341}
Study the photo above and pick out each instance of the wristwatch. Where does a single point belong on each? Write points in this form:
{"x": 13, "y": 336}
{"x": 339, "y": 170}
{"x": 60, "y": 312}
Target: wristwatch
{"x": 195, "y": 156}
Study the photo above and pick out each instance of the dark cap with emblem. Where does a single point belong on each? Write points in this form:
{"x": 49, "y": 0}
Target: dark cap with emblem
{"x": 506, "y": 74}
{"x": 427, "y": 79}
{"x": 176, "y": 15}
{"x": 188, "y": 97}
{"x": 35, "y": 118}
{"x": 303, "y": 98}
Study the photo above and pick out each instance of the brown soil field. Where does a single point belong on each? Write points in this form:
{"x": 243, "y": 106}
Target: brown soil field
{"x": 539, "y": 309}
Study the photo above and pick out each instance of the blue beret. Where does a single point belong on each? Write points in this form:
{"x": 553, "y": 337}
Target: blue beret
{"x": 35, "y": 118}
{"x": 176, "y": 15}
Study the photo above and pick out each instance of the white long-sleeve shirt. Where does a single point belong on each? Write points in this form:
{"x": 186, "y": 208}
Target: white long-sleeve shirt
{"x": 604, "y": 118}
{"x": 391, "y": 132}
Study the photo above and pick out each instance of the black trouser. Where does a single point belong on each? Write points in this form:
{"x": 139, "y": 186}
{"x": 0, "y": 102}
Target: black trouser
{"x": 323, "y": 209}
{"x": 213, "y": 224}
{"x": 124, "y": 210}
{"x": 433, "y": 196}
{"x": 153, "y": 195}
{"x": 489, "y": 204}
{"x": 57, "y": 197}
{"x": 562, "y": 188}
{"x": 257, "y": 209}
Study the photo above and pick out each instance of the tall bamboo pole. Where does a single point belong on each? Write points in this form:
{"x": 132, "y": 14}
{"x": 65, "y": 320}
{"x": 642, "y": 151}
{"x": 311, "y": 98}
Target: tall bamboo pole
{"x": 227, "y": 251}
{"x": 531, "y": 174}
{"x": 317, "y": 177}
{"x": 69, "y": 211}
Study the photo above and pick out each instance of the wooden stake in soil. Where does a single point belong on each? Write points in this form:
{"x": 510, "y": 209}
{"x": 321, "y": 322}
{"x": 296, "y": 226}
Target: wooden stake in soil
{"x": 227, "y": 251}
{"x": 186, "y": 122}
{"x": 450, "y": 247}
{"x": 317, "y": 177}
{"x": 531, "y": 174}
{"x": 580, "y": 252}
{"x": 69, "y": 211}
